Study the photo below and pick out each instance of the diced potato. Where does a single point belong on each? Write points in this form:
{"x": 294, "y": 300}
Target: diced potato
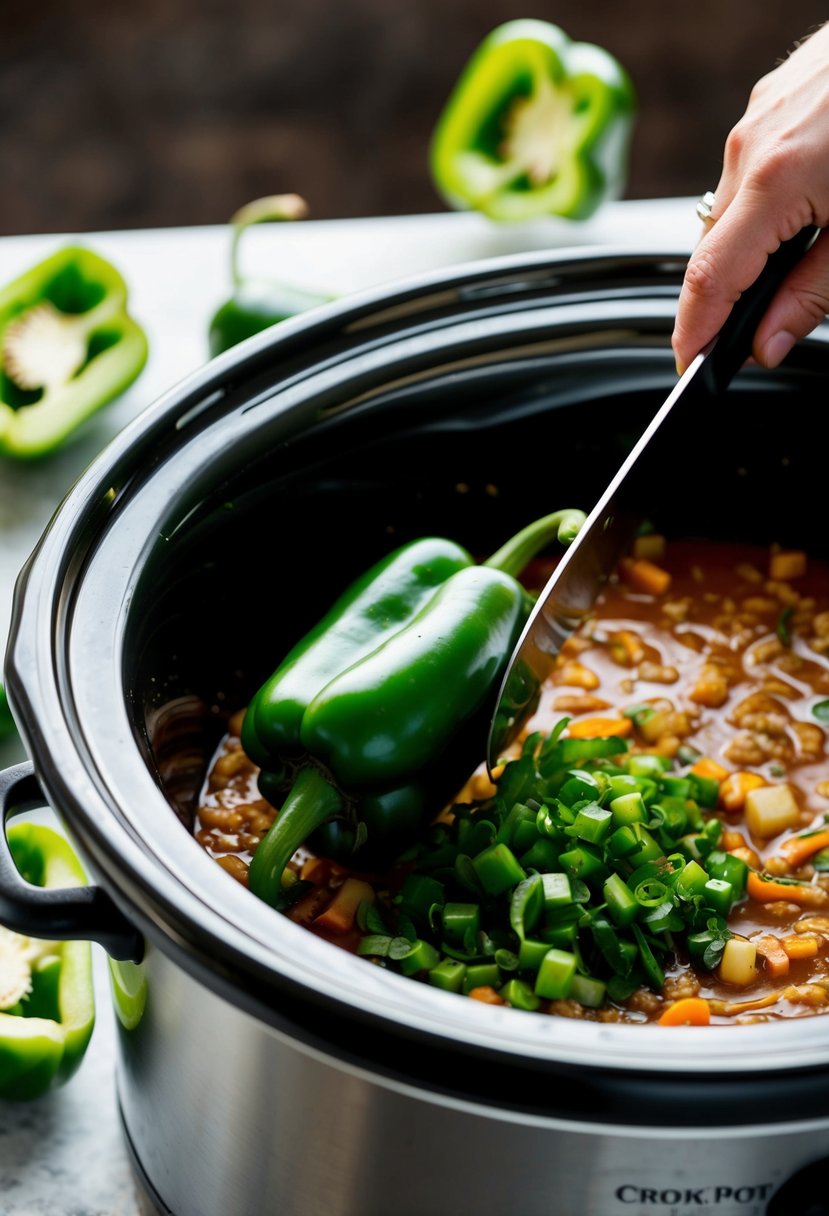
{"x": 739, "y": 962}
{"x": 788, "y": 563}
{"x": 651, "y": 547}
{"x": 576, "y": 675}
{"x": 770, "y": 810}
{"x": 655, "y": 726}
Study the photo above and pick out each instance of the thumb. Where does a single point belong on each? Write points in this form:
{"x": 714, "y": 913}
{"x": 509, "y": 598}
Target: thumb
{"x": 801, "y": 304}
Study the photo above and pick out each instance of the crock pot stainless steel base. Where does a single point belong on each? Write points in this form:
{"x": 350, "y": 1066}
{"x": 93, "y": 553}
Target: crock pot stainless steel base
{"x": 226, "y": 1115}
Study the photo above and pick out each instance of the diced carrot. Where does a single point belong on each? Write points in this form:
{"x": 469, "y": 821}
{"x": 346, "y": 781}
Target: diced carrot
{"x": 767, "y": 891}
{"x": 600, "y": 728}
{"x": 338, "y": 917}
{"x": 644, "y": 576}
{"x": 735, "y": 787}
{"x": 319, "y": 871}
{"x": 800, "y": 946}
{"x": 690, "y": 1011}
{"x": 487, "y": 994}
{"x": 731, "y": 840}
{"x": 788, "y": 563}
{"x": 706, "y": 767}
{"x": 774, "y": 957}
{"x": 798, "y": 849}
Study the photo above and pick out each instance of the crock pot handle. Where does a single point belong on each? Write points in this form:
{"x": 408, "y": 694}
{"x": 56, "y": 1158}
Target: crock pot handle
{"x": 62, "y": 914}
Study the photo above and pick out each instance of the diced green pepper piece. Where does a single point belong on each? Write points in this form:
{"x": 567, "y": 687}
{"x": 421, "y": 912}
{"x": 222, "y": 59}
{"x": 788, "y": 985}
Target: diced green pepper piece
{"x": 643, "y": 764}
{"x": 555, "y": 975}
{"x": 588, "y": 991}
{"x": 498, "y": 869}
{"x": 583, "y": 862}
{"x": 580, "y": 786}
{"x": 448, "y": 974}
{"x": 692, "y": 880}
{"x": 718, "y": 895}
{"x": 461, "y": 924}
{"x": 422, "y": 956}
{"x": 730, "y": 869}
{"x": 627, "y": 809}
{"x": 593, "y": 823}
{"x": 542, "y": 855}
{"x": 622, "y": 904}
{"x": 520, "y": 995}
{"x": 481, "y": 975}
{"x": 557, "y": 890}
{"x": 531, "y": 954}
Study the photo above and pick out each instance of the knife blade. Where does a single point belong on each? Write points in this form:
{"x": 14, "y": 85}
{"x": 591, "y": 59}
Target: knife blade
{"x": 571, "y": 591}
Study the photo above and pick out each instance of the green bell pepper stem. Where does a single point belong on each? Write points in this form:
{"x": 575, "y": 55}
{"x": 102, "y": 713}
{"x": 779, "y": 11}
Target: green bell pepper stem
{"x": 536, "y": 125}
{"x": 7, "y": 726}
{"x": 44, "y": 1047}
{"x": 312, "y": 800}
{"x": 273, "y": 207}
{"x": 69, "y": 347}
{"x": 513, "y": 556}
{"x": 256, "y": 304}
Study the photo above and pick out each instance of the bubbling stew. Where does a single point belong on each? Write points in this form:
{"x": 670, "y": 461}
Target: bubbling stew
{"x": 655, "y": 848}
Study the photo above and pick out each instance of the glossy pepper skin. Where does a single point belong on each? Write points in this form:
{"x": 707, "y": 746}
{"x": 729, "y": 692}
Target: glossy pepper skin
{"x": 357, "y": 740}
{"x": 44, "y": 1035}
{"x": 258, "y": 303}
{"x": 69, "y": 347}
{"x": 536, "y": 125}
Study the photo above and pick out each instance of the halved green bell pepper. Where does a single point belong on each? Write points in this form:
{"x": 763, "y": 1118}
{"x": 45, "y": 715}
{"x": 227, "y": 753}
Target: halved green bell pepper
{"x": 47, "y": 1003}
{"x": 258, "y": 303}
{"x": 378, "y": 714}
{"x": 68, "y": 347}
{"x": 536, "y": 125}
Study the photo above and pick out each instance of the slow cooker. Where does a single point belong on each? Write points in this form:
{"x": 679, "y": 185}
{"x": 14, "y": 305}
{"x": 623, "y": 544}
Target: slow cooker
{"x": 262, "y": 1070}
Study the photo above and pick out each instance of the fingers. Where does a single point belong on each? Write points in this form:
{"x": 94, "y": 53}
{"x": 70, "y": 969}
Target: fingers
{"x": 728, "y": 259}
{"x": 800, "y": 304}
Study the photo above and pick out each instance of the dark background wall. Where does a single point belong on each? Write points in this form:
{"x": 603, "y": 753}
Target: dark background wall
{"x": 167, "y": 112}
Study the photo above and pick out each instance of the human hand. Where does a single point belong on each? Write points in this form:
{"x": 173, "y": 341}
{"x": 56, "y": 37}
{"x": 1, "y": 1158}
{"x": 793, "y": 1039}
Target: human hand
{"x": 775, "y": 181}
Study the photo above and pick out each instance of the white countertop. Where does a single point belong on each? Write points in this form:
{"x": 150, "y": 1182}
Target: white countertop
{"x": 63, "y": 1154}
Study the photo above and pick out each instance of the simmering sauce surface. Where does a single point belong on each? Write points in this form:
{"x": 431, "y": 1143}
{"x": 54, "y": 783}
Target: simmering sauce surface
{"x": 730, "y": 663}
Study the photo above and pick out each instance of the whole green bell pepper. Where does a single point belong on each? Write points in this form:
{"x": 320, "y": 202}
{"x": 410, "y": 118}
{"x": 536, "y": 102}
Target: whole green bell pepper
{"x": 47, "y": 1004}
{"x": 536, "y": 125}
{"x": 258, "y": 303}
{"x": 68, "y": 348}
{"x": 376, "y": 714}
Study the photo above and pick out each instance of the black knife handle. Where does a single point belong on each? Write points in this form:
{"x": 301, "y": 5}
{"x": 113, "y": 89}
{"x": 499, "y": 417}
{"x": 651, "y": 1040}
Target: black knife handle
{"x": 733, "y": 344}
